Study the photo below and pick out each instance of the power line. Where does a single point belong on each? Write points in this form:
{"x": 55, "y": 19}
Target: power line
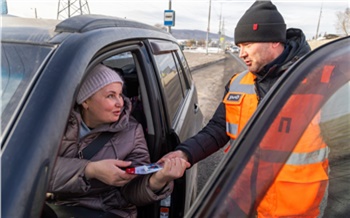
{"x": 70, "y": 8}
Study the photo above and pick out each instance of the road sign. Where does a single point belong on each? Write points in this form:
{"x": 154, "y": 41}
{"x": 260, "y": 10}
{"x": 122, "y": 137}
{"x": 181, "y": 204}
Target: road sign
{"x": 169, "y": 18}
{"x": 4, "y": 7}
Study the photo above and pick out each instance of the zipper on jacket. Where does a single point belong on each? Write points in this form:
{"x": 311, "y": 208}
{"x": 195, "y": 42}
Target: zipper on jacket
{"x": 257, "y": 90}
{"x": 80, "y": 154}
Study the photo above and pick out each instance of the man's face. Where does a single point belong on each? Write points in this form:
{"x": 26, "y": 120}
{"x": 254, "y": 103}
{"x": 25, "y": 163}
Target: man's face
{"x": 257, "y": 54}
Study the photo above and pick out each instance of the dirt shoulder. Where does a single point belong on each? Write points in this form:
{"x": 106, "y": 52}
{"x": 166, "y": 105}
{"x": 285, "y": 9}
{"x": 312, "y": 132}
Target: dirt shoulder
{"x": 198, "y": 60}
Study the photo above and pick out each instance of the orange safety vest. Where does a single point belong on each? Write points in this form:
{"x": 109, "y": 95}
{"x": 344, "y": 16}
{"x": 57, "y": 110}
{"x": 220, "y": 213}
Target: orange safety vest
{"x": 241, "y": 101}
{"x": 301, "y": 184}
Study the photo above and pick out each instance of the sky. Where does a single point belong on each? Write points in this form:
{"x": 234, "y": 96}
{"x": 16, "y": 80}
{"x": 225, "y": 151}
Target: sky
{"x": 194, "y": 14}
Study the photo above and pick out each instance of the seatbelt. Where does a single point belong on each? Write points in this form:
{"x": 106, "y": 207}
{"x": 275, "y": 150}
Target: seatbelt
{"x": 55, "y": 211}
{"x": 95, "y": 146}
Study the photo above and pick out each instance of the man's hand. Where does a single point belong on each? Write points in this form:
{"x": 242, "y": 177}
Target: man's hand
{"x": 109, "y": 172}
{"x": 173, "y": 168}
{"x": 175, "y": 154}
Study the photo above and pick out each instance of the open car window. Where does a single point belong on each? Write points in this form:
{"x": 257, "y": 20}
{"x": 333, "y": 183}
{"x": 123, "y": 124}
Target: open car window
{"x": 312, "y": 97}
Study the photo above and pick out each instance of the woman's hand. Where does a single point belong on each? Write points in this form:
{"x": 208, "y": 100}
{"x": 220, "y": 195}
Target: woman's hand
{"x": 109, "y": 172}
{"x": 173, "y": 168}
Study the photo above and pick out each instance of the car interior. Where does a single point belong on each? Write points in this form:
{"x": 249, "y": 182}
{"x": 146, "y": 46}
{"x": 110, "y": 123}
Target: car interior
{"x": 124, "y": 64}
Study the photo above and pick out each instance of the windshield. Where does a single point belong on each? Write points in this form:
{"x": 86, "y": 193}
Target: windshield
{"x": 19, "y": 68}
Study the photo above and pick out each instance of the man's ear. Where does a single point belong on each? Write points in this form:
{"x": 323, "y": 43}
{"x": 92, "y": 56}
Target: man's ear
{"x": 276, "y": 44}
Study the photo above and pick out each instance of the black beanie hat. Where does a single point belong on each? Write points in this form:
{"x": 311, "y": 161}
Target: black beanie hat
{"x": 261, "y": 23}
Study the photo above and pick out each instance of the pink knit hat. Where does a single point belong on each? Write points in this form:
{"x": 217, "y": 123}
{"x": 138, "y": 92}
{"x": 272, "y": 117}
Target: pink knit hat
{"x": 98, "y": 77}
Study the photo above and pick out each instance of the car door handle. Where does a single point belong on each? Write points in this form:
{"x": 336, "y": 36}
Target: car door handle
{"x": 196, "y": 108}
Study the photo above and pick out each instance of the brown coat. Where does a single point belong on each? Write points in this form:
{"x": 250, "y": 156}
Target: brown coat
{"x": 68, "y": 182}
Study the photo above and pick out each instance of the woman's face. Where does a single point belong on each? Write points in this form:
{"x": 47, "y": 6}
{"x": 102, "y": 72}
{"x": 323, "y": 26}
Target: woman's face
{"x": 105, "y": 106}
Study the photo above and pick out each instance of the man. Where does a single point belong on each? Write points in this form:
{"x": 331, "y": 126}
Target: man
{"x": 268, "y": 50}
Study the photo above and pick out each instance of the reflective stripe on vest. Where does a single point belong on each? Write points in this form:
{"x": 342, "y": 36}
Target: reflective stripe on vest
{"x": 308, "y": 158}
{"x": 237, "y": 86}
{"x": 295, "y": 158}
{"x": 232, "y": 128}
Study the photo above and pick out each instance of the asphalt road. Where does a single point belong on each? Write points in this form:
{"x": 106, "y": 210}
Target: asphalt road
{"x": 210, "y": 82}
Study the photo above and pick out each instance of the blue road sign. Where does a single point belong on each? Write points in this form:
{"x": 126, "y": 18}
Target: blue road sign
{"x": 169, "y": 18}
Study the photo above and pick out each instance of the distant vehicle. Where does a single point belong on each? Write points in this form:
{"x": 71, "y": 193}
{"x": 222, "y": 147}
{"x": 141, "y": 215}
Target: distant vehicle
{"x": 318, "y": 84}
{"x": 235, "y": 49}
{"x": 232, "y": 49}
{"x": 43, "y": 62}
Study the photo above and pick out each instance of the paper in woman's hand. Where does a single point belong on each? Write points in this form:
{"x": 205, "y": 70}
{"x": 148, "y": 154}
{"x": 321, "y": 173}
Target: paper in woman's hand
{"x": 146, "y": 169}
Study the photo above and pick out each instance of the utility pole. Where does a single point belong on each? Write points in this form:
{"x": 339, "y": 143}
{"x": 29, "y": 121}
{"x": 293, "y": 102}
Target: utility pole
{"x": 70, "y": 8}
{"x": 220, "y": 29}
{"x": 35, "y": 12}
{"x": 222, "y": 37}
{"x": 208, "y": 29}
{"x": 319, "y": 20}
{"x": 169, "y": 27}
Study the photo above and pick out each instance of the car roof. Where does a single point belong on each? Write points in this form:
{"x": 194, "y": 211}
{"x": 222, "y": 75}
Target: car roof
{"x": 42, "y": 31}
{"x": 84, "y": 23}
{"x": 18, "y": 29}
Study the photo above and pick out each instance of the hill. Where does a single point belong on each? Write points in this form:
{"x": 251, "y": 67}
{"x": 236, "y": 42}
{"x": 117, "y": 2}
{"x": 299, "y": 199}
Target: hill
{"x": 195, "y": 34}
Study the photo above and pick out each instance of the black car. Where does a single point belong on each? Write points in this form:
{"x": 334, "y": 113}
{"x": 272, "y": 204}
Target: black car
{"x": 43, "y": 63}
{"x": 318, "y": 85}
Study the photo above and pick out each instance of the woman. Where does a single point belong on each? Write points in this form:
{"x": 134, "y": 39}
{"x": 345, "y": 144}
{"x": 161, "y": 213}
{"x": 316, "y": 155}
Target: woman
{"x": 100, "y": 183}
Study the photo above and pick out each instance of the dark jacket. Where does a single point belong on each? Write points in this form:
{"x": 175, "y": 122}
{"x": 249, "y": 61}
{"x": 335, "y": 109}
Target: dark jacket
{"x": 213, "y": 136}
{"x": 128, "y": 143}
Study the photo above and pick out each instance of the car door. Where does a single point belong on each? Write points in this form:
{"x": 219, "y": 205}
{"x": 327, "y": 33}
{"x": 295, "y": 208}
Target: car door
{"x": 183, "y": 115}
{"x": 317, "y": 86}
{"x": 159, "y": 84}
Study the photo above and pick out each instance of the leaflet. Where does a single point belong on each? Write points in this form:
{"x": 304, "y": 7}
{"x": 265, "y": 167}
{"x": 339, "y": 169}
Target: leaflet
{"x": 146, "y": 169}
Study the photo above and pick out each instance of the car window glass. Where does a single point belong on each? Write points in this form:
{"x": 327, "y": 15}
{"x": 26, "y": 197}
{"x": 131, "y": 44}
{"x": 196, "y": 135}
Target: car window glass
{"x": 19, "y": 66}
{"x": 170, "y": 81}
{"x": 184, "y": 83}
{"x": 187, "y": 71}
{"x": 312, "y": 127}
